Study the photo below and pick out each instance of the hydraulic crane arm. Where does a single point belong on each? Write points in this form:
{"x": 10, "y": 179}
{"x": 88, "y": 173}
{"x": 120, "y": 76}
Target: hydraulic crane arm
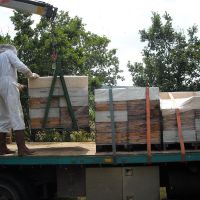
{"x": 31, "y": 6}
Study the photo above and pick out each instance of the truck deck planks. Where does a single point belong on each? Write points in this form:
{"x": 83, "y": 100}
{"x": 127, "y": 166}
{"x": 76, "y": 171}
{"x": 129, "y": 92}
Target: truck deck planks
{"x": 58, "y": 116}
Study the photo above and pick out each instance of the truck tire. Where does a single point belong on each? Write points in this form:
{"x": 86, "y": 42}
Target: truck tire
{"x": 8, "y": 192}
{"x": 12, "y": 189}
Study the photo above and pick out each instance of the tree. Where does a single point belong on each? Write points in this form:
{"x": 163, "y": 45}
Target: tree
{"x": 79, "y": 52}
{"x": 5, "y": 39}
{"x": 170, "y": 58}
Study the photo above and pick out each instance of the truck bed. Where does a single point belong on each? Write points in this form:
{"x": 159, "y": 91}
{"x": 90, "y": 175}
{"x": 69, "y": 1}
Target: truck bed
{"x": 85, "y": 153}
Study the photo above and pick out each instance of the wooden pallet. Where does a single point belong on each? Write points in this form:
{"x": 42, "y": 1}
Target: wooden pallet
{"x": 176, "y": 146}
{"x": 127, "y": 147}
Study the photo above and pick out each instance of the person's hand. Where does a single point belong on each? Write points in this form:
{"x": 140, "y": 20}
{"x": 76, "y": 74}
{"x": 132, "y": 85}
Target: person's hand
{"x": 21, "y": 87}
{"x": 34, "y": 76}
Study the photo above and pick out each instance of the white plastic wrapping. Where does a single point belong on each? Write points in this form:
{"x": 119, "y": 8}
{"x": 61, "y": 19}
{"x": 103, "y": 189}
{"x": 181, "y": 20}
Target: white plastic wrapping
{"x": 188, "y": 104}
{"x": 184, "y": 101}
{"x": 126, "y": 94}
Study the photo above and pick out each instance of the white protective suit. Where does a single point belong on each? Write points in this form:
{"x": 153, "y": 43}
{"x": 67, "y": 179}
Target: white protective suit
{"x": 11, "y": 114}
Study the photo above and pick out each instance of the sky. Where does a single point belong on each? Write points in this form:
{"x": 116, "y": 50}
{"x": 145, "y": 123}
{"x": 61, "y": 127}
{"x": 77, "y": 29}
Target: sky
{"x": 120, "y": 21}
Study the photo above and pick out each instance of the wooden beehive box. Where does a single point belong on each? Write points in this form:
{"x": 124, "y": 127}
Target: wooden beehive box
{"x": 129, "y": 116}
{"x": 58, "y": 117}
{"x": 103, "y": 117}
{"x": 189, "y": 106}
{"x": 137, "y": 115}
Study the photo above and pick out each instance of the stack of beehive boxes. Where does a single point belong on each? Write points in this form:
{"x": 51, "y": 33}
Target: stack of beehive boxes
{"x": 137, "y": 115}
{"x": 58, "y": 116}
{"x": 103, "y": 116}
{"x": 193, "y": 105}
{"x": 129, "y": 115}
{"x": 188, "y": 105}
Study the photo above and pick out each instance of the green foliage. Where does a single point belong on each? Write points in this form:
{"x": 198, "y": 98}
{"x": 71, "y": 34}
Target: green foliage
{"x": 170, "y": 58}
{"x": 79, "y": 52}
{"x": 65, "y": 136}
{"x": 23, "y": 38}
{"x": 5, "y": 39}
{"x": 52, "y": 136}
{"x": 82, "y": 136}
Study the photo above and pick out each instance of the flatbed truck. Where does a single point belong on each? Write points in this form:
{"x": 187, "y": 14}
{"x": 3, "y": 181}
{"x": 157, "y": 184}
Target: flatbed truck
{"x": 71, "y": 170}
{"x": 74, "y": 169}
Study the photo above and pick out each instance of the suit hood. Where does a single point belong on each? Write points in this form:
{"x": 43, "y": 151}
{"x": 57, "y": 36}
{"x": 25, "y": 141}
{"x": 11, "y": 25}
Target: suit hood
{"x": 6, "y": 47}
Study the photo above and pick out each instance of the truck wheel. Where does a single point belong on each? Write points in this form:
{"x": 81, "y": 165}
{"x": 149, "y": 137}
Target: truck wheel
{"x": 11, "y": 189}
{"x": 8, "y": 192}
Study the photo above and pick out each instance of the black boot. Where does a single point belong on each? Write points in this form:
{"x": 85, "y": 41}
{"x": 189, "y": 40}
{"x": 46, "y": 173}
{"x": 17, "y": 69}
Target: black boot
{"x": 3, "y": 147}
{"x": 20, "y": 140}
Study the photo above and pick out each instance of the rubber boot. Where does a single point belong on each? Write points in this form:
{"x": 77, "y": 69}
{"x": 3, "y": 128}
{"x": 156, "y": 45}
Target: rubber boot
{"x": 3, "y": 147}
{"x": 23, "y": 150}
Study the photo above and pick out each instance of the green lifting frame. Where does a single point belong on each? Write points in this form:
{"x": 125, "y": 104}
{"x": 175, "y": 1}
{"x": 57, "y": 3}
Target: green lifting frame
{"x": 58, "y": 72}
